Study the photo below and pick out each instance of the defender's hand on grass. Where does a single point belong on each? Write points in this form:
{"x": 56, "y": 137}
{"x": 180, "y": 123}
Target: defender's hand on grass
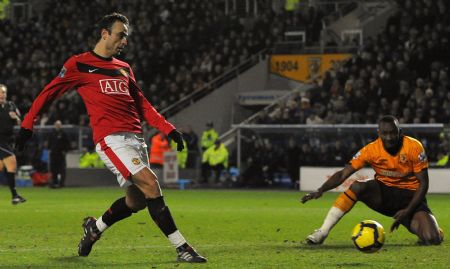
{"x": 312, "y": 195}
{"x": 399, "y": 216}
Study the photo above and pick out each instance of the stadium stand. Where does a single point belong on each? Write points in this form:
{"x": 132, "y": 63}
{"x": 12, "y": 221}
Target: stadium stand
{"x": 177, "y": 47}
{"x": 402, "y": 71}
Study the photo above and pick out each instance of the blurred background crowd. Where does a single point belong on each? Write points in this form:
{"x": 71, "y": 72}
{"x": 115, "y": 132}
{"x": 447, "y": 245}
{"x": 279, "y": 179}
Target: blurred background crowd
{"x": 178, "y": 47}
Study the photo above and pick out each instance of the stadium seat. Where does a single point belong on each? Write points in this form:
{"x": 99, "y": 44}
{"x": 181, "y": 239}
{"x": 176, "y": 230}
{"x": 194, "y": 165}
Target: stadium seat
{"x": 183, "y": 182}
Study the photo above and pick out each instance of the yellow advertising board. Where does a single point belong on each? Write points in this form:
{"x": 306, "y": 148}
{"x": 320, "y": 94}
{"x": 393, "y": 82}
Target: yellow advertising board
{"x": 307, "y": 67}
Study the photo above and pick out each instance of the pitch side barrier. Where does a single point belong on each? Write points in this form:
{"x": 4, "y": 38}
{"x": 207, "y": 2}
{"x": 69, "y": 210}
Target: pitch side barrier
{"x": 316, "y": 135}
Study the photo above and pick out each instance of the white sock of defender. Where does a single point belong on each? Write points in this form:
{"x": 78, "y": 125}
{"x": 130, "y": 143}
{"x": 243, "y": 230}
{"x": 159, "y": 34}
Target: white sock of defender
{"x": 101, "y": 226}
{"x": 177, "y": 239}
{"x": 333, "y": 216}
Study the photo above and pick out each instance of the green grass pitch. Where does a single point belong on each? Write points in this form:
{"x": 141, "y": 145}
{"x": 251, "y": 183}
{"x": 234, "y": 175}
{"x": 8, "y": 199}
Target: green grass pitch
{"x": 232, "y": 228}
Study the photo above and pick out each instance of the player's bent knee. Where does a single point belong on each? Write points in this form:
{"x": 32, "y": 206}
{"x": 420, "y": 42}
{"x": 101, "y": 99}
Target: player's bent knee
{"x": 431, "y": 240}
{"x": 357, "y": 187}
{"x": 136, "y": 205}
{"x": 137, "y": 208}
{"x": 135, "y": 199}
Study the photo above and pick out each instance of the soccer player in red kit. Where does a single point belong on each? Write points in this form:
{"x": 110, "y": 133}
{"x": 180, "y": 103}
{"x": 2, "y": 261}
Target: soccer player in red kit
{"x": 115, "y": 106}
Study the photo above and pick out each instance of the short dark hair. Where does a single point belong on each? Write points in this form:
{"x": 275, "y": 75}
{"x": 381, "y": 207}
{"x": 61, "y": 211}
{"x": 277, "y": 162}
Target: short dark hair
{"x": 108, "y": 20}
{"x": 388, "y": 119}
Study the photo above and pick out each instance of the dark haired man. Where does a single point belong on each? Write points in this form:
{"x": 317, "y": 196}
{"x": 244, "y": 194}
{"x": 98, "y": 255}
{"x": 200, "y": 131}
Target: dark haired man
{"x": 9, "y": 116}
{"x": 115, "y": 105}
{"x": 398, "y": 190}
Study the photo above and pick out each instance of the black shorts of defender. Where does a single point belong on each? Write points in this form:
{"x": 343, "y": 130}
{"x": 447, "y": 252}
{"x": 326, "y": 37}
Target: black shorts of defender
{"x": 394, "y": 199}
{"x": 6, "y": 150}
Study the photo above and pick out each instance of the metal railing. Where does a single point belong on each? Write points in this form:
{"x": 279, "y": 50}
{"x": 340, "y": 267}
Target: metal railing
{"x": 213, "y": 85}
{"x": 79, "y": 136}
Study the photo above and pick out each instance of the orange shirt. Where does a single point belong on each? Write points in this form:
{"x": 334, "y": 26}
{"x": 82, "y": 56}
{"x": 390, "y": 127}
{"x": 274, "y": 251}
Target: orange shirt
{"x": 396, "y": 171}
{"x": 159, "y": 146}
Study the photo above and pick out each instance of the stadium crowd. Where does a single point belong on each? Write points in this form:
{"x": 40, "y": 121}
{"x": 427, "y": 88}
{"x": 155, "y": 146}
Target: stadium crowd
{"x": 403, "y": 71}
{"x": 177, "y": 47}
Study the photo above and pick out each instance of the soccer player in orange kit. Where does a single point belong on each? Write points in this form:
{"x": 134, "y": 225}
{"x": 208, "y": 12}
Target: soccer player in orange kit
{"x": 398, "y": 189}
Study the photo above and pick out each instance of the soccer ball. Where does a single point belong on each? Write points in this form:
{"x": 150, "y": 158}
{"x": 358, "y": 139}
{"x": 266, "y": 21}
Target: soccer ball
{"x": 368, "y": 236}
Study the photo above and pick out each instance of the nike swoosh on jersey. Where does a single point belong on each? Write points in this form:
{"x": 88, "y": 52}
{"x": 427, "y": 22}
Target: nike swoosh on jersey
{"x": 91, "y": 69}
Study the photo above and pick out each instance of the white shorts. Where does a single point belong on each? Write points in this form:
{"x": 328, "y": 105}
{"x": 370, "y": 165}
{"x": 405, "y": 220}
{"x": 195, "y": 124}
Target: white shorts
{"x": 125, "y": 154}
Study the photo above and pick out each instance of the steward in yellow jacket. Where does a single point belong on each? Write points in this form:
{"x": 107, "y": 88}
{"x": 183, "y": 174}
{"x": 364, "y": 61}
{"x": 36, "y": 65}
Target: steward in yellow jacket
{"x": 209, "y": 136}
{"x": 181, "y": 155}
{"x": 215, "y": 158}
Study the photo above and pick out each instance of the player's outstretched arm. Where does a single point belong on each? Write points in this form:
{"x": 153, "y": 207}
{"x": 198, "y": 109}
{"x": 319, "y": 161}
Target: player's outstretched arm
{"x": 335, "y": 180}
{"x": 147, "y": 111}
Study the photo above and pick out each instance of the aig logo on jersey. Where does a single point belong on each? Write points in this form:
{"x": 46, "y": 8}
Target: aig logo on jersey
{"x": 114, "y": 86}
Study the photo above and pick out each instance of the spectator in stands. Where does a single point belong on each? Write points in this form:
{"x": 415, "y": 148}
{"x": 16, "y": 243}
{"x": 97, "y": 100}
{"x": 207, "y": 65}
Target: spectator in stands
{"x": 339, "y": 153}
{"x": 308, "y": 156}
{"x": 215, "y": 158}
{"x": 314, "y": 119}
{"x": 442, "y": 159}
{"x": 191, "y": 139}
{"x": 271, "y": 159}
{"x": 252, "y": 175}
{"x": 181, "y": 155}
{"x": 159, "y": 145}
{"x": 90, "y": 159}
{"x": 209, "y": 136}
{"x": 293, "y": 161}
{"x": 59, "y": 144}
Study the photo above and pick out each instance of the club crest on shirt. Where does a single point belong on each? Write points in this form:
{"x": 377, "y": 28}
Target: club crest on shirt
{"x": 123, "y": 72}
{"x": 422, "y": 157}
{"x": 402, "y": 158}
{"x": 62, "y": 73}
{"x": 136, "y": 161}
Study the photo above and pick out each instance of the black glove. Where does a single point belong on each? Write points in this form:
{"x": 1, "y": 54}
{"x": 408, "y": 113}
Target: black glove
{"x": 21, "y": 139}
{"x": 176, "y": 136}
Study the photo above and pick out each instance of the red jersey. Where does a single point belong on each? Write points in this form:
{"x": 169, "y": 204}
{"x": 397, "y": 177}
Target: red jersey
{"x": 107, "y": 86}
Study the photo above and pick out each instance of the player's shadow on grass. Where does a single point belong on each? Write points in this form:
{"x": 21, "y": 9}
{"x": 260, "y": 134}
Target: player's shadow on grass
{"x": 77, "y": 260}
{"x": 304, "y": 246}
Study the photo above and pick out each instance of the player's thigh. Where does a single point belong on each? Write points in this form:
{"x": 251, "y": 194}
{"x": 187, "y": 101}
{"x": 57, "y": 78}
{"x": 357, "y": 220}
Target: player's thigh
{"x": 147, "y": 182}
{"x": 10, "y": 163}
{"x": 134, "y": 198}
{"x": 368, "y": 192}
